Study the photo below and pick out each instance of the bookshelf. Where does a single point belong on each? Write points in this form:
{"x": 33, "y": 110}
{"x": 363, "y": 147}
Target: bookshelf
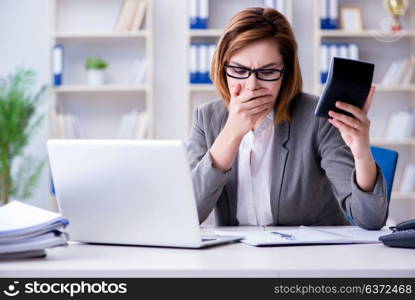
{"x": 380, "y": 46}
{"x": 105, "y": 35}
{"x": 85, "y": 31}
{"x": 220, "y": 12}
{"x": 79, "y": 88}
{"x": 363, "y": 33}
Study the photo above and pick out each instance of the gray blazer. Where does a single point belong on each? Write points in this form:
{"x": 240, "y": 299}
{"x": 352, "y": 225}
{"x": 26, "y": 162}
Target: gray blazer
{"x": 313, "y": 177}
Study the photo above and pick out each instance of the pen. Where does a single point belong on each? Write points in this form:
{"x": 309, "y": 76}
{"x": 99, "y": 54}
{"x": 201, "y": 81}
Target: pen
{"x": 284, "y": 235}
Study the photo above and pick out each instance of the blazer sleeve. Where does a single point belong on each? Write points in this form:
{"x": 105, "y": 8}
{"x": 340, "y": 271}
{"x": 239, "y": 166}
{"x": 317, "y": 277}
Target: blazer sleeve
{"x": 208, "y": 182}
{"x": 368, "y": 210}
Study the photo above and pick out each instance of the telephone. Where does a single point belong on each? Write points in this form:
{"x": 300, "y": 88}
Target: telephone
{"x": 403, "y": 235}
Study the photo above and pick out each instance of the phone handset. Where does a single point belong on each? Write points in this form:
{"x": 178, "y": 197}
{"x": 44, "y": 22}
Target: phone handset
{"x": 410, "y": 224}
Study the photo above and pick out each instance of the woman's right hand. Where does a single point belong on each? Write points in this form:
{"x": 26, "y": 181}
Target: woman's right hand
{"x": 246, "y": 108}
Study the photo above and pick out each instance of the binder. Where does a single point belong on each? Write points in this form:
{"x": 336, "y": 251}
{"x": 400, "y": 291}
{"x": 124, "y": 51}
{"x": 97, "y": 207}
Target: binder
{"x": 193, "y": 14}
{"x": 333, "y": 14}
{"x": 353, "y": 51}
{"x": 330, "y": 50}
{"x": 57, "y": 65}
{"x": 193, "y": 63}
{"x": 199, "y": 14}
{"x": 324, "y": 14}
{"x": 324, "y": 62}
{"x": 201, "y": 55}
{"x": 343, "y": 50}
{"x": 204, "y": 14}
{"x": 211, "y": 51}
{"x": 203, "y": 63}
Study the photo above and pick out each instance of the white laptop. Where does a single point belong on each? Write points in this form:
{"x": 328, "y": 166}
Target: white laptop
{"x": 136, "y": 192}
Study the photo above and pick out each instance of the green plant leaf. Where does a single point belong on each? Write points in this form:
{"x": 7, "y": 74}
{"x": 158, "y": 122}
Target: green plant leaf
{"x": 17, "y": 124}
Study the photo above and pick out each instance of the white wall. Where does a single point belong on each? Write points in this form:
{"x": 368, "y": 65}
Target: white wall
{"x": 23, "y": 42}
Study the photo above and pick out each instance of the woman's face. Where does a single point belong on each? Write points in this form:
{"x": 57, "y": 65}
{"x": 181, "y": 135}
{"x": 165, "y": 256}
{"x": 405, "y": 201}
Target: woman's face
{"x": 262, "y": 54}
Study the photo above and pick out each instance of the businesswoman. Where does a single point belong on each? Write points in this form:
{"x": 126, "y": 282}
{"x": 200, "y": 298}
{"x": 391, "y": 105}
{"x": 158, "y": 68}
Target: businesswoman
{"x": 260, "y": 156}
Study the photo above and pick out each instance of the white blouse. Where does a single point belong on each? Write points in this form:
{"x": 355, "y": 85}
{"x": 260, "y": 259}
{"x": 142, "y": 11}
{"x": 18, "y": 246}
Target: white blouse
{"x": 254, "y": 175}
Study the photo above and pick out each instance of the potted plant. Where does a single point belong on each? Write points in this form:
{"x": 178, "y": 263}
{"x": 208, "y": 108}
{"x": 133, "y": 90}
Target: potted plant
{"x": 95, "y": 67}
{"x": 19, "y": 172}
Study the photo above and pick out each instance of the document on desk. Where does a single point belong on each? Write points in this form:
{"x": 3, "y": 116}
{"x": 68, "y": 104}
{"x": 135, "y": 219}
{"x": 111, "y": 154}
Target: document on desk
{"x": 304, "y": 235}
{"x": 26, "y": 231}
{"x": 20, "y": 220}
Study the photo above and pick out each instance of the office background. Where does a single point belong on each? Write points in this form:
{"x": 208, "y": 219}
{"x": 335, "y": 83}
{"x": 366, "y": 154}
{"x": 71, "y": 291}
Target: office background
{"x": 25, "y": 33}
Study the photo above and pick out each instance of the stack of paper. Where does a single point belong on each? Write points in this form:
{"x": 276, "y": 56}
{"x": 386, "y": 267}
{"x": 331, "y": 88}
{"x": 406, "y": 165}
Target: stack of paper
{"x": 26, "y": 231}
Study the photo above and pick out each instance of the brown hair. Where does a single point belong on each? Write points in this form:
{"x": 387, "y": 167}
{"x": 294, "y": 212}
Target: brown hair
{"x": 254, "y": 24}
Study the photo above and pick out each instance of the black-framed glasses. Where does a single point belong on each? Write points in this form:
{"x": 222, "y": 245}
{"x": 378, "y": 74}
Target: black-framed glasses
{"x": 238, "y": 72}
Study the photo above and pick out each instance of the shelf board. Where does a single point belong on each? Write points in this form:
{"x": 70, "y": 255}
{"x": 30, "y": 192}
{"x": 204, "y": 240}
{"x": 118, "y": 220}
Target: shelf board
{"x": 387, "y": 88}
{"x": 365, "y": 33}
{"x": 205, "y": 32}
{"x": 396, "y": 88}
{"x": 100, "y": 88}
{"x": 388, "y": 142}
{"x": 201, "y": 88}
{"x": 103, "y": 35}
{"x": 400, "y": 196}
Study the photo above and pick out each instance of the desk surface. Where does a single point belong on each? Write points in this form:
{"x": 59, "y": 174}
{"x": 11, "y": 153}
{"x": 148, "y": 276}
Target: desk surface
{"x": 231, "y": 260}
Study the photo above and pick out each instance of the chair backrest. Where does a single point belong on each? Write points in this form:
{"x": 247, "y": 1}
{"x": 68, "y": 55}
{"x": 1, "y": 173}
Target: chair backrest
{"x": 387, "y": 160}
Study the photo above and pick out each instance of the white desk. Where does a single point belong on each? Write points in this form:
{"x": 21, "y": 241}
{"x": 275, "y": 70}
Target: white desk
{"x": 232, "y": 260}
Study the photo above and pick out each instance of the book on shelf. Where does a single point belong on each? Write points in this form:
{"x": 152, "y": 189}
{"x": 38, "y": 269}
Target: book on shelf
{"x": 139, "y": 16}
{"x": 407, "y": 183}
{"x": 199, "y": 14}
{"x": 73, "y": 127}
{"x": 56, "y": 122}
{"x": 399, "y": 72}
{"x": 329, "y": 14}
{"x": 142, "y": 125}
{"x": 127, "y": 124}
{"x": 139, "y": 71}
{"x": 131, "y": 15}
{"x": 400, "y": 125}
{"x": 52, "y": 128}
{"x": 133, "y": 125}
{"x": 408, "y": 75}
{"x": 201, "y": 55}
{"x": 330, "y": 50}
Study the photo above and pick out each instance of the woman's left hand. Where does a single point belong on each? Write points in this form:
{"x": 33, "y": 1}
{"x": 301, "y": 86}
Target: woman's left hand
{"x": 354, "y": 130}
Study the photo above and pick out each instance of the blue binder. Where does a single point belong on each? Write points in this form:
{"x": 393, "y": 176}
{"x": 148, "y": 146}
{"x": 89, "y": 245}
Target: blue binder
{"x": 57, "y": 65}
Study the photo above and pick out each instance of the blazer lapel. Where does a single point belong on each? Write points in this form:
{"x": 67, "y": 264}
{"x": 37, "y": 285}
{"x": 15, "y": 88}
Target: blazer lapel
{"x": 279, "y": 159}
{"x": 231, "y": 188}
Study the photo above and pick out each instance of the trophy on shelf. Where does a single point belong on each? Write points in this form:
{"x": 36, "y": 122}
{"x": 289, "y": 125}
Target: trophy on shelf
{"x": 396, "y": 8}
